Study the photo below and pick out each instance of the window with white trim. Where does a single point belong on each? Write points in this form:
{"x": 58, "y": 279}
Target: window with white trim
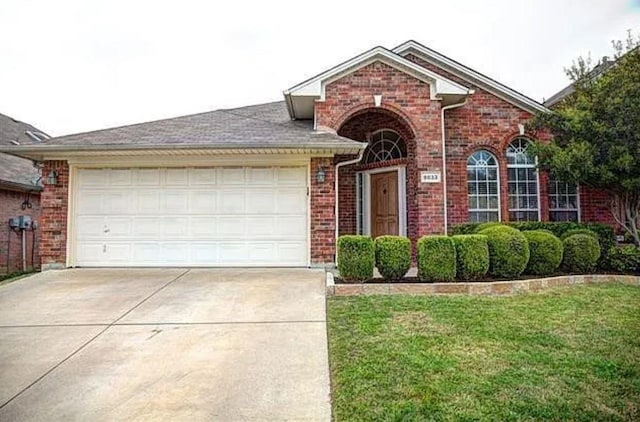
{"x": 523, "y": 184}
{"x": 483, "y": 187}
{"x": 564, "y": 201}
{"x": 385, "y": 145}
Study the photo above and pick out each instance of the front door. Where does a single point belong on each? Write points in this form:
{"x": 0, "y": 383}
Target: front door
{"x": 384, "y": 204}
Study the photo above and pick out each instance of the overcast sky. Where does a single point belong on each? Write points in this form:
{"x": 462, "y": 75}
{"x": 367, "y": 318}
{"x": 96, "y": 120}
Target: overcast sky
{"x": 71, "y": 66}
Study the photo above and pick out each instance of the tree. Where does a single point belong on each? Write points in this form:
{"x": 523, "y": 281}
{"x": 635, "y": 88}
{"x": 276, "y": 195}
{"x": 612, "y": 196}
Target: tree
{"x": 595, "y": 132}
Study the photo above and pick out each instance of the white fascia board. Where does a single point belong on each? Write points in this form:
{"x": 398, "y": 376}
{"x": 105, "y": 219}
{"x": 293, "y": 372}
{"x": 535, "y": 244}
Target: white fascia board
{"x": 316, "y": 85}
{"x": 470, "y": 75}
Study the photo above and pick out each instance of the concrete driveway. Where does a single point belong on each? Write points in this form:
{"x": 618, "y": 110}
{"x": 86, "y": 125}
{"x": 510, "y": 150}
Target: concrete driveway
{"x": 164, "y": 344}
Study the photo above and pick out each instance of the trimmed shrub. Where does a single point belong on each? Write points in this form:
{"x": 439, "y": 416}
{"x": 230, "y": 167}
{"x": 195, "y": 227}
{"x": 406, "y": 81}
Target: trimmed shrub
{"x": 393, "y": 256}
{"x": 541, "y": 231}
{"x": 356, "y": 257}
{"x": 605, "y": 233}
{"x": 508, "y": 251}
{"x": 545, "y": 252}
{"x": 486, "y": 225}
{"x": 436, "y": 258}
{"x": 472, "y": 256}
{"x": 581, "y": 253}
{"x": 624, "y": 259}
{"x": 579, "y": 231}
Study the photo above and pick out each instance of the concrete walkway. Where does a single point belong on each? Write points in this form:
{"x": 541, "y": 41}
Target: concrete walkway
{"x": 164, "y": 344}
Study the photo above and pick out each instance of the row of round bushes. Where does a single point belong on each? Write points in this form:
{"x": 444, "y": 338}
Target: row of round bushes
{"x": 495, "y": 249}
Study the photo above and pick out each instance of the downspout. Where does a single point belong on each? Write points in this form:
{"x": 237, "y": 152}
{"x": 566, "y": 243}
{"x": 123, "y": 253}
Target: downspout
{"x": 335, "y": 189}
{"x": 444, "y": 158}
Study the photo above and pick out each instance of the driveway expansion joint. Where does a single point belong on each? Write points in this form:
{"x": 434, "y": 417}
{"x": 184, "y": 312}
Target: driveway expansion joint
{"x": 85, "y": 344}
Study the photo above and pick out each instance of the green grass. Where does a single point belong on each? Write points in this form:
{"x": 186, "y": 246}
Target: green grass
{"x": 567, "y": 354}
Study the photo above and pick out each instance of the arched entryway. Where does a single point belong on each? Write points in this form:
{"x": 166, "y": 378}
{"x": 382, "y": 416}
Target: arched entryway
{"x": 373, "y": 197}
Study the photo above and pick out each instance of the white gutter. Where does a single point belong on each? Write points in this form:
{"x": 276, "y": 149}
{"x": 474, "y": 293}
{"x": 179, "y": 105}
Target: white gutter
{"x": 444, "y": 158}
{"x": 336, "y": 208}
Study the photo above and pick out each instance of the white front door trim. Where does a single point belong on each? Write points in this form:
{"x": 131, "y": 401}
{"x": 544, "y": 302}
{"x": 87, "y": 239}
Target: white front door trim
{"x": 366, "y": 200}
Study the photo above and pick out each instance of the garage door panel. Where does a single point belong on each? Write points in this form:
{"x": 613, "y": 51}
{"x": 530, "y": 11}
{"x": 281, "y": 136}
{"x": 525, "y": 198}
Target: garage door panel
{"x": 146, "y": 252}
{"x": 232, "y": 176}
{"x": 230, "y": 227}
{"x": 93, "y": 177}
{"x": 233, "y": 252}
{"x": 261, "y": 225}
{"x": 232, "y": 202}
{"x": 174, "y": 252}
{"x": 264, "y": 252}
{"x": 202, "y": 202}
{"x": 261, "y": 176}
{"x": 120, "y": 177}
{"x": 261, "y": 201}
{"x": 90, "y": 227}
{"x": 203, "y": 226}
{"x": 148, "y": 177}
{"x": 145, "y": 227}
{"x": 290, "y": 199}
{"x": 203, "y": 253}
{"x": 192, "y": 216}
{"x": 148, "y": 202}
{"x": 292, "y": 176}
{"x": 176, "y": 177}
{"x": 199, "y": 177}
{"x": 90, "y": 252}
{"x": 175, "y": 226}
{"x": 118, "y": 226}
{"x": 292, "y": 251}
{"x": 294, "y": 226}
{"x": 174, "y": 201}
{"x": 90, "y": 203}
{"x": 118, "y": 202}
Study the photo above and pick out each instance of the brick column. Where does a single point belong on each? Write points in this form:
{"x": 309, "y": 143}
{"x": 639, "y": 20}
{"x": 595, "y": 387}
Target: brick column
{"x": 53, "y": 220}
{"x": 322, "y": 213}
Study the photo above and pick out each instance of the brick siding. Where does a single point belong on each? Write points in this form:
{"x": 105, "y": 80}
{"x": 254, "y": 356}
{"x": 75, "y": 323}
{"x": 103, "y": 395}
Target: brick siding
{"x": 53, "y": 221}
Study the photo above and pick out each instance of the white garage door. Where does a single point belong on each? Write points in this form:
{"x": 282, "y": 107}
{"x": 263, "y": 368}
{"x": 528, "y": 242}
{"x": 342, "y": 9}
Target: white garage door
{"x": 242, "y": 216}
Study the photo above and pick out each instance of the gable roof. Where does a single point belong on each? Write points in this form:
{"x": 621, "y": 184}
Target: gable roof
{"x": 301, "y": 97}
{"x": 258, "y": 127}
{"x": 17, "y": 173}
{"x": 466, "y": 73}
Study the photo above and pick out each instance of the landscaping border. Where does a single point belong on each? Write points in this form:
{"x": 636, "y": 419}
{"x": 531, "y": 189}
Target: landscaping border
{"x": 493, "y": 288}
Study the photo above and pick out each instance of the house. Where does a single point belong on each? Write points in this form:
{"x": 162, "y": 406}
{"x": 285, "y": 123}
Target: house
{"x": 19, "y": 195}
{"x": 404, "y": 141}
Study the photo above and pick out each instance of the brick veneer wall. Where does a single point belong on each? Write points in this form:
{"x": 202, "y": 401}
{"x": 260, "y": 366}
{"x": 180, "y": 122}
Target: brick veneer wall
{"x": 322, "y": 212}
{"x": 53, "y": 220}
{"x": 11, "y": 206}
{"x": 485, "y": 122}
{"x": 408, "y": 100}
{"x": 594, "y": 206}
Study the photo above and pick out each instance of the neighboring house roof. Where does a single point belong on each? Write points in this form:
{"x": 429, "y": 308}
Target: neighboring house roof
{"x": 301, "y": 97}
{"x": 257, "y": 127}
{"x": 556, "y": 98}
{"x": 470, "y": 75}
{"x": 18, "y": 173}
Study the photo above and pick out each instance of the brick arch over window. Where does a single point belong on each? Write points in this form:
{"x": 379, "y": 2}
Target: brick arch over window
{"x": 361, "y": 124}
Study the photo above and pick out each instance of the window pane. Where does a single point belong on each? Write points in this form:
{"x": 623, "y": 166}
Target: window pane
{"x": 482, "y": 187}
{"x": 563, "y": 201}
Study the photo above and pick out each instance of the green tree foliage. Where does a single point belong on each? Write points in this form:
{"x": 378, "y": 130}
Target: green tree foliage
{"x": 596, "y": 131}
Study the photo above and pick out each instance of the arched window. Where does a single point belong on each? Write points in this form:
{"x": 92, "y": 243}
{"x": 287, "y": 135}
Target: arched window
{"x": 522, "y": 176}
{"x": 483, "y": 187}
{"x": 385, "y": 145}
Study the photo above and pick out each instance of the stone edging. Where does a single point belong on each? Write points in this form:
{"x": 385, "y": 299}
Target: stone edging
{"x": 493, "y": 288}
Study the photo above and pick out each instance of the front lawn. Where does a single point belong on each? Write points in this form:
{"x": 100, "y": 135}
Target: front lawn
{"x": 570, "y": 353}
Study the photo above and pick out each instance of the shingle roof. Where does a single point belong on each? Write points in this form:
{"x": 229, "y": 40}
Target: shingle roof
{"x": 258, "y": 126}
{"x": 14, "y": 171}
